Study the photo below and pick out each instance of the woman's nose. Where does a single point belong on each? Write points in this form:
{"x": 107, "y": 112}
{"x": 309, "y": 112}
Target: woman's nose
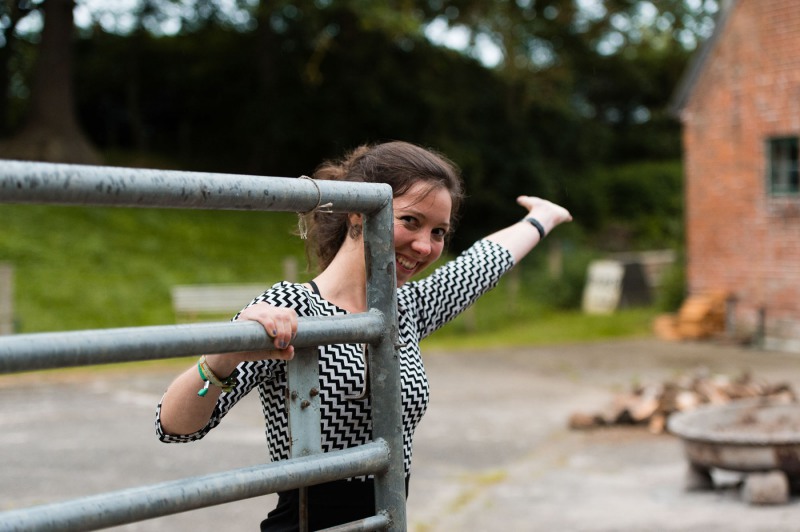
{"x": 422, "y": 245}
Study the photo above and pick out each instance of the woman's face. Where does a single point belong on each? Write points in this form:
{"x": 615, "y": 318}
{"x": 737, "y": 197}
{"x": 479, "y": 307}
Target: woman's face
{"x": 421, "y": 222}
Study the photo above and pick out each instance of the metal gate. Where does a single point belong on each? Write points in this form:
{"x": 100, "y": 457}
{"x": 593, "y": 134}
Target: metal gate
{"x": 28, "y": 182}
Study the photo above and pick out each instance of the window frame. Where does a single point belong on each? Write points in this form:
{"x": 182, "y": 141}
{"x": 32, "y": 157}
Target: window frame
{"x": 783, "y": 167}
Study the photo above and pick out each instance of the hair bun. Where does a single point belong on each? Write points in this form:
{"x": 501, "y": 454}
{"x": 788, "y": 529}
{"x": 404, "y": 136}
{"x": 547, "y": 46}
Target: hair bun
{"x": 340, "y": 169}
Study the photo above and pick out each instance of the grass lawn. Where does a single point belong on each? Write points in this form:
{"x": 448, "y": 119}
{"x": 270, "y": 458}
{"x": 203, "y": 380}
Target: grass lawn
{"x": 86, "y": 268}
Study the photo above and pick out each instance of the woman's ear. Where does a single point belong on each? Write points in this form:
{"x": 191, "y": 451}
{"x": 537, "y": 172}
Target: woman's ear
{"x": 354, "y": 218}
{"x": 354, "y": 227}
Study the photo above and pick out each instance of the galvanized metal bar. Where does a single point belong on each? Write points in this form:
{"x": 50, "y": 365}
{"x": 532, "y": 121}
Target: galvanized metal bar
{"x": 147, "y": 502}
{"x": 376, "y": 522}
{"x": 302, "y": 403}
{"x": 70, "y": 184}
{"x": 37, "y": 351}
{"x": 387, "y": 408}
{"x": 302, "y": 378}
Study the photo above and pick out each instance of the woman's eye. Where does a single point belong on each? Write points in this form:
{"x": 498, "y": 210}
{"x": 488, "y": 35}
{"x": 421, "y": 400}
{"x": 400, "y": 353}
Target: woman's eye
{"x": 440, "y": 233}
{"x": 409, "y": 220}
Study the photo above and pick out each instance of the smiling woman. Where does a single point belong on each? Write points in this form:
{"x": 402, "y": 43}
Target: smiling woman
{"x": 427, "y": 192}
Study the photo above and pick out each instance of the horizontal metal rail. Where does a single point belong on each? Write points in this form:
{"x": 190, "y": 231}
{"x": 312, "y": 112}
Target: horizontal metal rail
{"x": 157, "y": 500}
{"x": 63, "y": 184}
{"x": 71, "y": 184}
{"x": 37, "y": 351}
{"x": 376, "y": 522}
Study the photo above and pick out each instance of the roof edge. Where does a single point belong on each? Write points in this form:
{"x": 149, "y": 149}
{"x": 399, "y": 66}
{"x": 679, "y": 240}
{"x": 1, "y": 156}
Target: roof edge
{"x": 696, "y": 64}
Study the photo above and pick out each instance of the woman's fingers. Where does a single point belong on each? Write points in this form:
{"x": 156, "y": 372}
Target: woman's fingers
{"x": 544, "y": 208}
{"x": 279, "y": 323}
{"x": 282, "y": 354}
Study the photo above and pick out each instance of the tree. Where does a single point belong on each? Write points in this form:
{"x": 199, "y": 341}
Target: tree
{"x": 285, "y": 84}
{"x": 51, "y": 131}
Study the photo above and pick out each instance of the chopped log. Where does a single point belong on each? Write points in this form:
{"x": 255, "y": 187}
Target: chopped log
{"x": 686, "y": 400}
{"x": 646, "y": 404}
{"x": 580, "y": 421}
{"x": 657, "y": 423}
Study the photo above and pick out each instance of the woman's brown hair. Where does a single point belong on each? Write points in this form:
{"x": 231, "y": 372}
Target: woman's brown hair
{"x": 399, "y": 164}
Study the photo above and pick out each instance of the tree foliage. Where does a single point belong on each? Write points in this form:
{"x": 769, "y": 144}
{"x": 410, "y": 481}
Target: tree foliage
{"x": 275, "y": 87}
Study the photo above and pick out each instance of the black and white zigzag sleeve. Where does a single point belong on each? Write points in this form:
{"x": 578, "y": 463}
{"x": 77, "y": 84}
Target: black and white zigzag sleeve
{"x": 453, "y": 287}
{"x": 249, "y": 374}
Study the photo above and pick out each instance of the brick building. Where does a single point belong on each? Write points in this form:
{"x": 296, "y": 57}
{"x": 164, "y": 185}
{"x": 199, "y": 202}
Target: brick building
{"x": 739, "y": 103}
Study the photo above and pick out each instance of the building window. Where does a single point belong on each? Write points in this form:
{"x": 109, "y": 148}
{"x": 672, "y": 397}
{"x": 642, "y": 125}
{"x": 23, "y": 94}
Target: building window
{"x": 783, "y": 166}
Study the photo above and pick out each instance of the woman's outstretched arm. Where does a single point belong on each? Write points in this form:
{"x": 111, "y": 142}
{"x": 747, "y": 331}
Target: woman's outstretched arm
{"x": 521, "y": 237}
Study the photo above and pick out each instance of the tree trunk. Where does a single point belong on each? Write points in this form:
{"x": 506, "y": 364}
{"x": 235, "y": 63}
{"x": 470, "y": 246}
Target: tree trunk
{"x": 13, "y": 11}
{"x": 51, "y": 131}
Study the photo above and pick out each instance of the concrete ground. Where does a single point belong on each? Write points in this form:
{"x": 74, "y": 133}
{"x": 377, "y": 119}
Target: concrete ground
{"x": 493, "y": 453}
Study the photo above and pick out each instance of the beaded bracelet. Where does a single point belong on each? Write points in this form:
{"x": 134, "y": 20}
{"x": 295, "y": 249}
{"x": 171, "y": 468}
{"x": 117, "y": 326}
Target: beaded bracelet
{"x": 209, "y": 377}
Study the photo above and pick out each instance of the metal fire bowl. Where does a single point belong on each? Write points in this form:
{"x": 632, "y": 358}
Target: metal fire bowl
{"x": 745, "y": 435}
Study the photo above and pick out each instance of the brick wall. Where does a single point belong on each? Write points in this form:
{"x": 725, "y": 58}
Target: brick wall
{"x": 739, "y": 239}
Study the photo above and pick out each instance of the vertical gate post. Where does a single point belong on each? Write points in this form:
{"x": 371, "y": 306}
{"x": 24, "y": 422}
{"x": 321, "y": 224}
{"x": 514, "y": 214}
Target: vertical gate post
{"x": 302, "y": 403}
{"x": 384, "y": 368}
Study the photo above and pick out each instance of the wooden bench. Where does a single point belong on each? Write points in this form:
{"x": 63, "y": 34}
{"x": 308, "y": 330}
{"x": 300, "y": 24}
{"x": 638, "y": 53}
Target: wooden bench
{"x": 205, "y": 302}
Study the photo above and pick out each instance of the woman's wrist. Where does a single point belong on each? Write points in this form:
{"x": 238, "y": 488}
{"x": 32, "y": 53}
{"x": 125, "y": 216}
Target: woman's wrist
{"x": 207, "y": 375}
{"x": 536, "y": 224}
{"x": 223, "y": 366}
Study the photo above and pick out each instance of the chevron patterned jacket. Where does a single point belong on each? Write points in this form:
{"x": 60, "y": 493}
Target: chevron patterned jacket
{"x": 423, "y": 307}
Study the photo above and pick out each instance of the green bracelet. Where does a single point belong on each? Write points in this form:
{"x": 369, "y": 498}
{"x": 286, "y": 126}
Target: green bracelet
{"x": 208, "y": 376}
{"x": 204, "y": 390}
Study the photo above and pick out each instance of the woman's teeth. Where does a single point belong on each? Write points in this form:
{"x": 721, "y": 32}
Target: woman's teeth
{"x": 408, "y": 265}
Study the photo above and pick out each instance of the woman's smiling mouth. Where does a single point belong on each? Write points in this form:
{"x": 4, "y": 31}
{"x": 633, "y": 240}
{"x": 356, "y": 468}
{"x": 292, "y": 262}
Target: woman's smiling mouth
{"x": 406, "y": 264}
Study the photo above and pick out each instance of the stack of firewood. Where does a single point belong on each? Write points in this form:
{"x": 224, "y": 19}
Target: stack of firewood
{"x": 650, "y": 405}
{"x": 700, "y": 316}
